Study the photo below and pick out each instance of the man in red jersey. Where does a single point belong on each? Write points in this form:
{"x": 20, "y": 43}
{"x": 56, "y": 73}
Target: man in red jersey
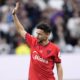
{"x": 44, "y": 54}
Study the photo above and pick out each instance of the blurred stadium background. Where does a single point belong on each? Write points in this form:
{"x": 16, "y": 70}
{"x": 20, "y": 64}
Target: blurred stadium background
{"x": 64, "y": 18}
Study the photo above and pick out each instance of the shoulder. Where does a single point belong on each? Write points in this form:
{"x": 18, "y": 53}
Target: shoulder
{"x": 54, "y": 46}
{"x": 27, "y": 35}
{"x": 30, "y": 39}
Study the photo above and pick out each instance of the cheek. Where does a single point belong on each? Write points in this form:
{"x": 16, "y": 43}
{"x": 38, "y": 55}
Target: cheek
{"x": 39, "y": 36}
{"x": 44, "y": 37}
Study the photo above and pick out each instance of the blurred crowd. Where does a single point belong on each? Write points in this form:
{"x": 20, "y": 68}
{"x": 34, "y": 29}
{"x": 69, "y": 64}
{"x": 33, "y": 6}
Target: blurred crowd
{"x": 63, "y": 16}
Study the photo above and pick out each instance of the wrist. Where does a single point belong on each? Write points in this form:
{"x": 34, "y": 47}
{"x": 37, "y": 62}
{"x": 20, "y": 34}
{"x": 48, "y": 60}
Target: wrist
{"x": 13, "y": 13}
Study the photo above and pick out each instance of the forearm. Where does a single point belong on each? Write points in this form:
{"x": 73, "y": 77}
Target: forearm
{"x": 19, "y": 26}
{"x": 60, "y": 73}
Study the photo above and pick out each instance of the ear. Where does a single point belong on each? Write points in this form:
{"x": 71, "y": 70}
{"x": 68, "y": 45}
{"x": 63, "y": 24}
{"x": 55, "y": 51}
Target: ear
{"x": 48, "y": 34}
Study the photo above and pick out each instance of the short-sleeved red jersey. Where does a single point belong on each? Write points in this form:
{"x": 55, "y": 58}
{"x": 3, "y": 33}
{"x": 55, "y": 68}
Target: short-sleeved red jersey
{"x": 42, "y": 60}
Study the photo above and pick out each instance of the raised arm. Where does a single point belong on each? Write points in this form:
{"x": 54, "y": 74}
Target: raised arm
{"x": 19, "y": 26}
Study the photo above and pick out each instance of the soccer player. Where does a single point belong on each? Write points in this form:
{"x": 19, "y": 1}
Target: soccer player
{"x": 44, "y": 54}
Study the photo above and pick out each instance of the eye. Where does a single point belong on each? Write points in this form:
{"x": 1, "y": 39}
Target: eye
{"x": 38, "y": 33}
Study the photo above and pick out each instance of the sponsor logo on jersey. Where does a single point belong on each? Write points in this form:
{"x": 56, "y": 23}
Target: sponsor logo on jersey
{"x": 36, "y": 56}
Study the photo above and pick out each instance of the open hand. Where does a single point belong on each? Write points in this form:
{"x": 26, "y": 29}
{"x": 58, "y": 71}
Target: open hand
{"x": 16, "y": 8}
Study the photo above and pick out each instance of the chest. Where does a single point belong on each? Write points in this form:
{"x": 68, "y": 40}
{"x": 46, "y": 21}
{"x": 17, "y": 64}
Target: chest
{"x": 43, "y": 51}
{"x": 42, "y": 54}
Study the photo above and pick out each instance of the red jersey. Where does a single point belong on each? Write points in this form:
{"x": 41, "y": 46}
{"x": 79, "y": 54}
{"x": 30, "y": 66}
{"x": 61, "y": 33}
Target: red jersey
{"x": 42, "y": 60}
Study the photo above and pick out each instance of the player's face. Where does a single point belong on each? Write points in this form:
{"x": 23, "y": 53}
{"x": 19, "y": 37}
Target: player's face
{"x": 41, "y": 35}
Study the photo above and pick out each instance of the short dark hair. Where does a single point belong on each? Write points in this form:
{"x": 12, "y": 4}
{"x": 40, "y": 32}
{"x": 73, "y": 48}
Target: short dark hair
{"x": 45, "y": 27}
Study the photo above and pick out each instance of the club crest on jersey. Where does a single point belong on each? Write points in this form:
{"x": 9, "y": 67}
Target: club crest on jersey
{"x": 36, "y": 56}
{"x": 48, "y": 51}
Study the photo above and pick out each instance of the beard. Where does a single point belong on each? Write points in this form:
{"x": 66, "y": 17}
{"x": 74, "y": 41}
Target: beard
{"x": 40, "y": 41}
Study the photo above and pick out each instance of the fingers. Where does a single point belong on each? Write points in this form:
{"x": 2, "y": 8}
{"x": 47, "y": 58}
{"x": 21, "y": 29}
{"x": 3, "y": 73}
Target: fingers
{"x": 16, "y": 8}
{"x": 17, "y": 5}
